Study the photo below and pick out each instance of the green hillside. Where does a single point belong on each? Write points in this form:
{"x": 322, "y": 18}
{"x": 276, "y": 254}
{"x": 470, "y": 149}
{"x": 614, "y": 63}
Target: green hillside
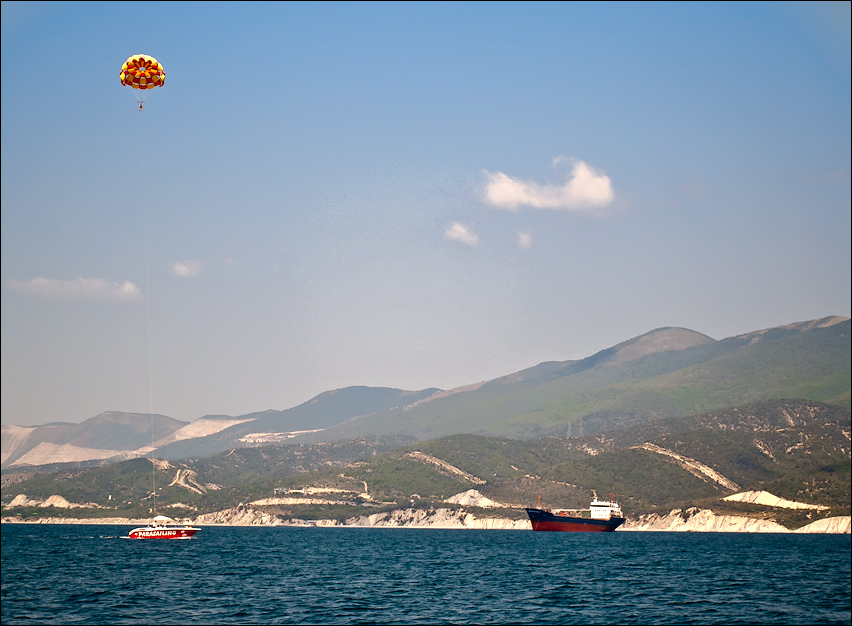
{"x": 604, "y": 393}
{"x": 795, "y": 449}
{"x": 217, "y": 482}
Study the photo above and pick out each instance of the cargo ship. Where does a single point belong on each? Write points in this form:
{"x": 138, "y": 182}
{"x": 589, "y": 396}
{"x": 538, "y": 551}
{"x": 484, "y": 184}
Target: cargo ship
{"x": 600, "y": 517}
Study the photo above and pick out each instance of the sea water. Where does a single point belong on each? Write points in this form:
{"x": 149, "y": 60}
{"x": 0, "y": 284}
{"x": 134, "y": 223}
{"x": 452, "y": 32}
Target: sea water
{"x": 88, "y": 574}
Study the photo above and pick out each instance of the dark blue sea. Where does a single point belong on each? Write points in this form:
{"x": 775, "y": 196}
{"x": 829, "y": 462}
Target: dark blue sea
{"x": 64, "y": 574}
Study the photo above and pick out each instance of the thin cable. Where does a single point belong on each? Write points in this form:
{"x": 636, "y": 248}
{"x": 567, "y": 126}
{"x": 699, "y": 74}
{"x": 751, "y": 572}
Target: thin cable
{"x": 148, "y": 310}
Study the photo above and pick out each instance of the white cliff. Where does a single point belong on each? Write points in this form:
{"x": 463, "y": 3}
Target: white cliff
{"x": 240, "y": 516}
{"x": 704, "y": 520}
{"x": 767, "y": 499}
{"x": 472, "y": 497}
{"x": 22, "y": 500}
{"x": 247, "y": 515}
{"x": 838, "y": 525}
{"x": 55, "y": 501}
{"x": 436, "y": 518}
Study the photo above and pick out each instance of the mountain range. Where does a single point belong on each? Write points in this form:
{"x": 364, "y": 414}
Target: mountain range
{"x": 665, "y": 373}
{"x": 785, "y": 461}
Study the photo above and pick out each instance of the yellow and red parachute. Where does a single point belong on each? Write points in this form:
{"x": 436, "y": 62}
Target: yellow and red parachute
{"x": 141, "y": 71}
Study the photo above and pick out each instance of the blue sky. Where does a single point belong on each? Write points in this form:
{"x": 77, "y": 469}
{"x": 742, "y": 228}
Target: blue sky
{"x": 404, "y": 195}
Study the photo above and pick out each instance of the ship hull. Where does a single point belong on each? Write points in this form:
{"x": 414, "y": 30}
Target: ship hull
{"x": 545, "y": 520}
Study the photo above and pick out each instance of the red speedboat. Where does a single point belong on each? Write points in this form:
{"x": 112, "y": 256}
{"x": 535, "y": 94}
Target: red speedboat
{"x": 162, "y": 527}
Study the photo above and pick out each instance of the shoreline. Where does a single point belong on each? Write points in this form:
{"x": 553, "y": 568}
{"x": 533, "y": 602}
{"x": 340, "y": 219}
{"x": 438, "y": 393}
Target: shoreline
{"x": 446, "y": 519}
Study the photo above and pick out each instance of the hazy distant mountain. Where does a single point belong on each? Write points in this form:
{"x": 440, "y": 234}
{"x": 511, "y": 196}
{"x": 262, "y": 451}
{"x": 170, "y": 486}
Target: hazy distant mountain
{"x": 106, "y": 435}
{"x": 324, "y": 411}
{"x": 118, "y": 436}
{"x": 667, "y": 372}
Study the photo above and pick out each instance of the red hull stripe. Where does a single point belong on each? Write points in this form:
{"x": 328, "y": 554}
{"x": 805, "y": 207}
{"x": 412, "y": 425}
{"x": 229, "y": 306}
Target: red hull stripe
{"x": 545, "y": 520}
{"x": 571, "y": 527}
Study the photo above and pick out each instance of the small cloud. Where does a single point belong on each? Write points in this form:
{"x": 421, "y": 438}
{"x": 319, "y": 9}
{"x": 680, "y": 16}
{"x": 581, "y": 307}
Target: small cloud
{"x": 78, "y": 289}
{"x": 584, "y": 189}
{"x": 524, "y": 240}
{"x": 458, "y": 232}
{"x": 187, "y": 269}
{"x": 560, "y": 161}
{"x": 228, "y": 260}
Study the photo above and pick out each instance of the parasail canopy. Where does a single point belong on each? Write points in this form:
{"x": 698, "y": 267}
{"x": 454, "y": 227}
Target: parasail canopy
{"x": 141, "y": 71}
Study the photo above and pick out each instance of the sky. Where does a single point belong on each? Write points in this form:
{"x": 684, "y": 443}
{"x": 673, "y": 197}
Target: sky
{"x": 404, "y": 195}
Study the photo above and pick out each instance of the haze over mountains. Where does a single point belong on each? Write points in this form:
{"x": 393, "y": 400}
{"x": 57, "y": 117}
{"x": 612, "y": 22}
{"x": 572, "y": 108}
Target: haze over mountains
{"x": 667, "y": 372}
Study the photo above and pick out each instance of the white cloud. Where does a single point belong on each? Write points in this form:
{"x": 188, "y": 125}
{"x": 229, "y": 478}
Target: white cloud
{"x": 78, "y": 289}
{"x": 584, "y": 189}
{"x": 458, "y": 232}
{"x": 187, "y": 269}
{"x": 524, "y": 240}
{"x": 228, "y": 260}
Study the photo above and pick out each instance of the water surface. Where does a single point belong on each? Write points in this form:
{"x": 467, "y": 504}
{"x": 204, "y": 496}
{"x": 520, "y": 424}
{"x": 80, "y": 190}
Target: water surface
{"x": 87, "y": 574}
